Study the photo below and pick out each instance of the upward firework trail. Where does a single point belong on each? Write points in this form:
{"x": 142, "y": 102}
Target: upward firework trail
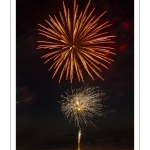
{"x": 81, "y": 105}
{"x": 76, "y": 39}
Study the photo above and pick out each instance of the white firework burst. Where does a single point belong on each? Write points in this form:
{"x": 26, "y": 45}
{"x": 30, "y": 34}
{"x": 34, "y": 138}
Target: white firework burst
{"x": 82, "y": 104}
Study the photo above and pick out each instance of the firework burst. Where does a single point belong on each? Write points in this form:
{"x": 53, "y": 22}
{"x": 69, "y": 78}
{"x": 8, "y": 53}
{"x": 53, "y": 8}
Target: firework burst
{"x": 82, "y": 104}
{"x": 76, "y": 40}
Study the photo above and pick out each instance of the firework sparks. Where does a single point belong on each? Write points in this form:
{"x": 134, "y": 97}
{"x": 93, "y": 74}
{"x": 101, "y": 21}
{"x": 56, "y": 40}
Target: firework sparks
{"x": 81, "y": 105}
{"x": 76, "y": 40}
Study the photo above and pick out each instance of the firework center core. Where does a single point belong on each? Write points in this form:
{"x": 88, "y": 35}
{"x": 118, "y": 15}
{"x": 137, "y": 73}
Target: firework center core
{"x": 72, "y": 46}
{"x": 77, "y": 103}
{"x": 78, "y": 106}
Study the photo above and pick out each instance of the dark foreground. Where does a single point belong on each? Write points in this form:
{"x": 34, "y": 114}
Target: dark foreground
{"x": 92, "y": 148}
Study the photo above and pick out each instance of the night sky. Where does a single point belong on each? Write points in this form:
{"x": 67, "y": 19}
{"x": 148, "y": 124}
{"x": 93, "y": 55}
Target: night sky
{"x": 39, "y": 121}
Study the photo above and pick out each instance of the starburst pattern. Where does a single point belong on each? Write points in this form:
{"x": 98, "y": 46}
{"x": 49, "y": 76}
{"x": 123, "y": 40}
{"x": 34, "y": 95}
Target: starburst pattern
{"x": 82, "y": 104}
{"x": 76, "y": 41}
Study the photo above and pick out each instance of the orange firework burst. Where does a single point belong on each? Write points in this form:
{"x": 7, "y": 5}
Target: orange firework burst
{"x": 75, "y": 41}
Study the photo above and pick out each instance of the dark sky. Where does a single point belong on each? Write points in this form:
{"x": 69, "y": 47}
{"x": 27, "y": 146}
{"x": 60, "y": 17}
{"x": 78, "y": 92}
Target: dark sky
{"x": 39, "y": 121}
